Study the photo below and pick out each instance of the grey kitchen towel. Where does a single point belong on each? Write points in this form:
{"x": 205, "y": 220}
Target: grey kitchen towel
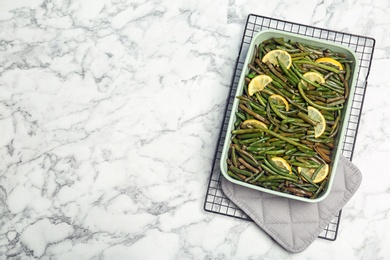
{"x": 295, "y": 224}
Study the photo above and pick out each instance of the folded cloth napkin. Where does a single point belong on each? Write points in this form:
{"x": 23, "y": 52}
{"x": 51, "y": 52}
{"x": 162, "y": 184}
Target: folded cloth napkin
{"x": 295, "y": 224}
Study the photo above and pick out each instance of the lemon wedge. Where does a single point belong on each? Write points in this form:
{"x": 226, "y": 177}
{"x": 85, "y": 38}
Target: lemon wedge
{"x": 282, "y": 55}
{"x": 315, "y": 114}
{"x": 321, "y": 175}
{"x": 330, "y": 61}
{"x": 282, "y": 163}
{"x": 253, "y": 123}
{"x": 258, "y": 83}
{"x": 280, "y": 100}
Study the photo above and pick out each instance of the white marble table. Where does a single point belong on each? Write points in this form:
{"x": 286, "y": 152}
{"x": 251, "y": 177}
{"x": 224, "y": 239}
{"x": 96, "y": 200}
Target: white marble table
{"x": 110, "y": 114}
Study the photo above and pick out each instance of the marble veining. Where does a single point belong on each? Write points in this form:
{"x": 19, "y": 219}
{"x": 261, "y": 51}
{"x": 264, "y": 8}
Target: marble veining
{"x": 110, "y": 113}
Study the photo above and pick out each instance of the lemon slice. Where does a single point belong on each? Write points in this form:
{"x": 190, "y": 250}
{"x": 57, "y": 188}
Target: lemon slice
{"x": 283, "y": 56}
{"x": 280, "y": 100}
{"x": 253, "y": 123}
{"x": 321, "y": 175}
{"x": 282, "y": 163}
{"x": 330, "y": 61}
{"x": 258, "y": 83}
{"x": 313, "y": 76}
{"x": 316, "y": 115}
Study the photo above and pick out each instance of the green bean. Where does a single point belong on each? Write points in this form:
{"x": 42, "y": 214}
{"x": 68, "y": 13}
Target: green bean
{"x": 245, "y": 154}
{"x": 255, "y": 115}
{"x": 256, "y": 177}
{"x": 275, "y": 72}
{"x": 338, "y": 98}
{"x": 276, "y": 177}
{"x": 262, "y": 140}
{"x": 322, "y": 155}
{"x": 315, "y": 69}
{"x": 259, "y": 157}
{"x": 281, "y": 171}
{"x": 304, "y": 49}
{"x": 347, "y": 71}
{"x": 291, "y": 77}
{"x": 258, "y": 72}
{"x": 267, "y": 169}
{"x": 346, "y": 87}
{"x": 254, "y": 55}
{"x": 304, "y": 161}
{"x": 335, "y": 103}
{"x": 288, "y": 50}
{"x": 234, "y": 176}
{"x": 314, "y": 104}
{"x": 271, "y": 167}
{"x": 329, "y": 53}
{"x": 282, "y": 138}
{"x": 336, "y": 81}
{"x": 322, "y": 185}
{"x": 259, "y": 150}
{"x": 240, "y": 115}
{"x": 341, "y": 60}
{"x": 299, "y": 191}
{"x": 248, "y": 166}
{"x": 266, "y": 92}
{"x": 251, "y": 75}
{"x": 248, "y": 141}
{"x": 239, "y": 171}
{"x": 308, "y": 179}
{"x": 292, "y": 150}
{"x": 261, "y": 100}
{"x": 229, "y": 162}
{"x": 274, "y": 122}
{"x": 307, "y": 119}
{"x": 335, "y": 125}
{"x": 287, "y": 139}
{"x": 330, "y": 86}
{"x": 234, "y": 157}
{"x": 250, "y": 161}
{"x": 310, "y": 188}
{"x": 260, "y": 51}
{"x": 312, "y": 49}
{"x": 291, "y": 120}
{"x": 306, "y": 80}
{"x": 288, "y": 99}
{"x": 279, "y": 143}
{"x": 247, "y": 131}
{"x": 329, "y": 68}
{"x": 275, "y": 152}
{"x": 300, "y": 54}
{"x": 249, "y": 101}
{"x": 304, "y": 165}
{"x": 320, "y": 140}
{"x": 276, "y": 79}
{"x": 234, "y": 140}
{"x": 262, "y": 144}
{"x": 335, "y": 84}
{"x": 282, "y": 42}
{"x": 271, "y": 184}
{"x": 272, "y": 105}
{"x": 317, "y": 171}
{"x": 249, "y": 136}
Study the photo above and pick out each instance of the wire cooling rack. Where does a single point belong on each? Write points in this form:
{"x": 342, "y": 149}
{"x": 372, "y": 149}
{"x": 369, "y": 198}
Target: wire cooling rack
{"x": 215, "y": 200}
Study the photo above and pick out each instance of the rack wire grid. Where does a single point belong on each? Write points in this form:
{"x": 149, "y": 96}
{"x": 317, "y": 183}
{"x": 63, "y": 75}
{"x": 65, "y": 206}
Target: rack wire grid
{"x": 215, "y": 200}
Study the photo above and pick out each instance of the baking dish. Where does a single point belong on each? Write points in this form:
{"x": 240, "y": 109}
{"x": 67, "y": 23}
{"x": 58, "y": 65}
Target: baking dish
{"x": 339, "y": 139}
